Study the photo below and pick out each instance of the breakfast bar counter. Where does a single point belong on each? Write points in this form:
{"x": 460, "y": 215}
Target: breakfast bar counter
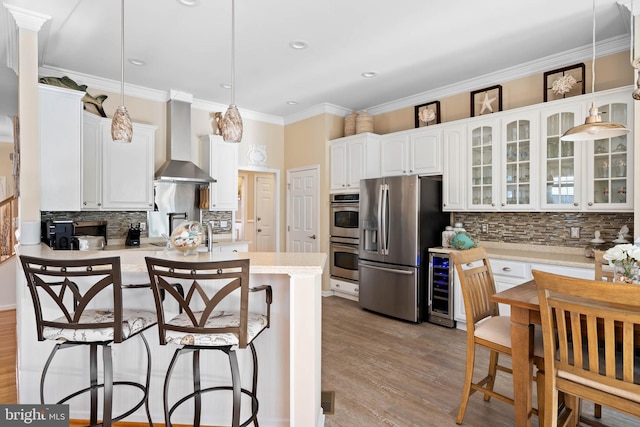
{"x": 289, "y": 352}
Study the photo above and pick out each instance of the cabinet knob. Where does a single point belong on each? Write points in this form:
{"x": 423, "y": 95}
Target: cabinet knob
{"x": 493, "y": 204}
{"x": 337, "y": 285}
{"x": 503, "y": 204}
{"x": 575, "y": 203}
{"x": 357, "y": 289}
{"x": 235, "y": 250}
{"x": 99, "y": 204}
{"x": 444, "y": 204}
{"x": 590, "y": 203}
{"x": 506, "y": 269}
{"x": 410, "y": 170}
{"x": 84, "y": 203}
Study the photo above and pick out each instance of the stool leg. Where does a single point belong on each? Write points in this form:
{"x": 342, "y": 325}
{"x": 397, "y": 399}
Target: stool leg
{"x": 254, "y": 385}
{"x": 107, "y": 405}
{"x": 197, "y": 398}
{"x": 148, "y": 380}
{"x": 93, "y": 381}
{"x": 45, "y": 369}
{"x": 237, "y": 386}
{"x": 167, "y": 380}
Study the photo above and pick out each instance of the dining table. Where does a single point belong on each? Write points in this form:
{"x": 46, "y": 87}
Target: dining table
{"x": 525, "y": 313}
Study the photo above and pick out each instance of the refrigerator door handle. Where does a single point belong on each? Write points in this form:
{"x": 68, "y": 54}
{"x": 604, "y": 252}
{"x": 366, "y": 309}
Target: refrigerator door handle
{"x": 389, "y": 270}
{"x": 380, "y": 229}
{"x": 385, "y": 218}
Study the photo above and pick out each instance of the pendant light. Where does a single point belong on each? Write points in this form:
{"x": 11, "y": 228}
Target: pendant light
{"x": 121, "y": 126}
{"x": 594, "y": 127}
{"x": 232, "y": 122}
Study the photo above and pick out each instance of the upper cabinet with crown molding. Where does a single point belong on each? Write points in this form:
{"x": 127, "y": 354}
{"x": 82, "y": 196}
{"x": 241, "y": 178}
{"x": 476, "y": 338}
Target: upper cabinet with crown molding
{"x": 354, "y": 158}
{"x": 221, "y": 163}
{"x": 412, "y": 152}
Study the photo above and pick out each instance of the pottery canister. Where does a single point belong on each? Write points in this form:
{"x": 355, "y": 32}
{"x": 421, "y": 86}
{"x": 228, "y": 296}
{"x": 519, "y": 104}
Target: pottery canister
{"x": 350, "y": 124}
{"x": 364, "y": 122}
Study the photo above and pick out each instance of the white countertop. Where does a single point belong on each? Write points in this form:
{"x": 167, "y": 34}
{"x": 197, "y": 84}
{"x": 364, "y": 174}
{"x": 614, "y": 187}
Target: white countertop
{"x": 132, "y": 259}
{"x": 557, "y": 255}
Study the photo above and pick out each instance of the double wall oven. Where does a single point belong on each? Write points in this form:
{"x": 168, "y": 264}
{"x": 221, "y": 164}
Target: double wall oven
{"x": 345, "y": 233}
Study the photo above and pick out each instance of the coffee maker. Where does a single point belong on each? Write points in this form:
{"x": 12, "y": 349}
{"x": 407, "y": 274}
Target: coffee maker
{"x": 133, "y": 235}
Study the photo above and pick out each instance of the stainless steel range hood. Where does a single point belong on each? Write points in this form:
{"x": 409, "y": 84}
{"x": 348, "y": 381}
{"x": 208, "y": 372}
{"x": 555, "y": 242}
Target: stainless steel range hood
{"x": 179, "y": 167}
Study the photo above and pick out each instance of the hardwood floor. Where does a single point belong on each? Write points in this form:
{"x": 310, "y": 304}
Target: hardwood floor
{"x": 8, "y": 352}
{"x": 387, "y": 372}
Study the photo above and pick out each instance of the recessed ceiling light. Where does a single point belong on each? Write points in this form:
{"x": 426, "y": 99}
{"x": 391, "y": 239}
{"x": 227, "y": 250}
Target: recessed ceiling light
{"x": 225, "y": 85}
{"x": 292, "y": 103}
{"x": 189, "y": 3}
{"x": 137, "y": 62}
{"x": 369, "y": 74}
{"x": 298, "y": 44}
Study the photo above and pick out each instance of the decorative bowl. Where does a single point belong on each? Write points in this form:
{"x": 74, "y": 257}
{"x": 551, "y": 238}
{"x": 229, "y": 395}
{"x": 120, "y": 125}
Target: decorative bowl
{"x": 187, "y": 236}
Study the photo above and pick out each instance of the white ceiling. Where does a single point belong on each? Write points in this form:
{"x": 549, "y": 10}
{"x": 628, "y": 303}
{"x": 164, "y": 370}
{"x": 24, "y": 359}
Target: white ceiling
{"x": 414, "y": 46}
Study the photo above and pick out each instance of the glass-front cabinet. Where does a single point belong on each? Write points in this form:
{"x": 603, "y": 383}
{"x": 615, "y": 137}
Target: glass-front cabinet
{"x": 518, "y": 155}
{"x": 484, "y": 138}
{"x": 610, "y": 164}
{"x": 561, "y": 160}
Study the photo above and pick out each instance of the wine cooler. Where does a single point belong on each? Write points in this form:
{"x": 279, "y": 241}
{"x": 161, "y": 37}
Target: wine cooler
{"x": 440, "y": 305}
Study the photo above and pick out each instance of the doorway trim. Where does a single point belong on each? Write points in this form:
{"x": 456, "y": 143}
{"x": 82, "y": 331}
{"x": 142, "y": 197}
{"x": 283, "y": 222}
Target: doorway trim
{"x": 276, "y": 197}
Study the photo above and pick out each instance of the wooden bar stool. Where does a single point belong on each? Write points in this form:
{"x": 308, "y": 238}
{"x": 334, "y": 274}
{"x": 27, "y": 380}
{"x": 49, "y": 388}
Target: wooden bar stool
{"x": 215, "y": 316}
{"x": 79, "y": 303}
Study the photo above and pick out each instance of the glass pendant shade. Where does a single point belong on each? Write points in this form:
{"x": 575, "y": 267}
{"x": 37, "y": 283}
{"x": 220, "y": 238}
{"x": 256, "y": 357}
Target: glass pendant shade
{"x": 121, "y": 126}
{"x": 594, "y": 128}
{"x": 232, "y": 125}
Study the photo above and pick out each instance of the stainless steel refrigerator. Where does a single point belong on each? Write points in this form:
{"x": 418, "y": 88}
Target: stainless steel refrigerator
{"x": 400, "y": 219}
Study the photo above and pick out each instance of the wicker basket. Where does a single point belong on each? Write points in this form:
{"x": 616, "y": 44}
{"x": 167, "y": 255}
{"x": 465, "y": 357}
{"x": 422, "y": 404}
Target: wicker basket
{"x": 364, "y": 122}
{"x": 350, "y": 124}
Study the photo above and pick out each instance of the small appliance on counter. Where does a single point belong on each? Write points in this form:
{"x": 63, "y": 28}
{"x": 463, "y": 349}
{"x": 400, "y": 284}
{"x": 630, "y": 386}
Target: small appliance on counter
{"x": 133, "y": 235}
{"x": 69, "y": 235}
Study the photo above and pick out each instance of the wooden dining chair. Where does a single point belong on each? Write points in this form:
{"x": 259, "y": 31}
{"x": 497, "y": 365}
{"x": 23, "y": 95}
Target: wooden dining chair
{"x": 605, "y": 369}
{"x": 486, "y": 328}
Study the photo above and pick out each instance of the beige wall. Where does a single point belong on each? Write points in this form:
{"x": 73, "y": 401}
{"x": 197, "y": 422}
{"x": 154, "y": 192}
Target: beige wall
{"x": 611, "y": 72}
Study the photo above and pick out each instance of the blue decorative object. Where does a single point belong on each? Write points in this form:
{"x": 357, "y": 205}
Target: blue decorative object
{"x": 463, "y": 241}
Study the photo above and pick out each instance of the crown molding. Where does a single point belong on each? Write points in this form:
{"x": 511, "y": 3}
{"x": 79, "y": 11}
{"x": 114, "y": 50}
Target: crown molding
{"x": 201, "y": 104}
{"x": 324, "y": 108}
{"x": 585, "y": 53}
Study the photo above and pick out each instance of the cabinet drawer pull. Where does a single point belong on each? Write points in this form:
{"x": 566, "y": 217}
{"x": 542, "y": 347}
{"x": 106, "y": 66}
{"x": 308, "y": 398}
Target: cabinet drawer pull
{"x": 506, "y": 269}
{"x": 469, "y": 264}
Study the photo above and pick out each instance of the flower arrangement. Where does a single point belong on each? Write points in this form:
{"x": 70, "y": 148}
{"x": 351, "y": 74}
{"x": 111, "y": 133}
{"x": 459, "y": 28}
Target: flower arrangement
{"x": 624, "y": 258}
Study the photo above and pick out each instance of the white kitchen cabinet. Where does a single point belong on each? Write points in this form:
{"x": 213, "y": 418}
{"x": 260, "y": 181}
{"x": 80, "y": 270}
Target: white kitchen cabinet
{"x": 415, "y": 152}
{"x": 117, "y": 175}
{"x": 561, "y": 161}
{"x": 609, "y": 165}
{"x": 483, "y": 161}
{"x": 60, "y": 137}
{"x": 454, "y": 178}
{"x": 221, "y": 163}
{"x": 354, "y": 158}
{"x": 519, "y": 170}
{"x": 344, "y": 289}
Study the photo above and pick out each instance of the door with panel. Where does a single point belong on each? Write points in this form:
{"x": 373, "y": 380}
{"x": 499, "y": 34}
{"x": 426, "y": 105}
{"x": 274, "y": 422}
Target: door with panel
{"x": 303, "y": 209}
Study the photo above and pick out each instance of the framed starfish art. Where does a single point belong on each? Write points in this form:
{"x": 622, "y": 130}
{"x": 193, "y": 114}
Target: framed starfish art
{"x": 486, "y": 101}
{"x": 564, "y": 82}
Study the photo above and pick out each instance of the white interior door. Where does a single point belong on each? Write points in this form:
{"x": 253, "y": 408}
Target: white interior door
{"x": 265, "y": 213}
{"x": 304, "y": 209}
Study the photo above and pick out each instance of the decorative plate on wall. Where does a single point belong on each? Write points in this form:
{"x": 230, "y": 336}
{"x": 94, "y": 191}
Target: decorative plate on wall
{"x": 257, "y": 155}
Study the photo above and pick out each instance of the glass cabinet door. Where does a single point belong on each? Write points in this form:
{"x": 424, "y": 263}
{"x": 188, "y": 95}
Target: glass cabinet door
{"x": 610, "y": 164}
{"x": 517, "y": 161}
{"x": 560, "y": 161}
{"x": 482, "y": 167}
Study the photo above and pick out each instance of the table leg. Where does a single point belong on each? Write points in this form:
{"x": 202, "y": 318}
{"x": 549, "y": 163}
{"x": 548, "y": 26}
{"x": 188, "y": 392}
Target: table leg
{"x": 522, "y": 362}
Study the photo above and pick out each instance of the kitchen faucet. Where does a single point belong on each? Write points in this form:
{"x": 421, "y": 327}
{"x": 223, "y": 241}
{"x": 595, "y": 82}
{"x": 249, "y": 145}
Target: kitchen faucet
{"x": 209, "y": 236}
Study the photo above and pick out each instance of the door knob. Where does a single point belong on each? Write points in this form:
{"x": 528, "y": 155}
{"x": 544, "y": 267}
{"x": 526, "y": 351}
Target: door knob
{"x": 313, "y": 236}
{"x": 259, "y": 230}
{"x": 258, "y": 218}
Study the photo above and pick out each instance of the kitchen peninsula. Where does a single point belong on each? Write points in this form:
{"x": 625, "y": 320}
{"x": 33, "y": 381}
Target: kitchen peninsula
{"x": 289, "y": 352}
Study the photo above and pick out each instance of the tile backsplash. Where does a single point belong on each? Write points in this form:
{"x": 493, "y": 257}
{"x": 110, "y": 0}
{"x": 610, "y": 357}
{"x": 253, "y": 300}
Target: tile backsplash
{"x": 118, "y": 221}
{"x": 544, "y": 228}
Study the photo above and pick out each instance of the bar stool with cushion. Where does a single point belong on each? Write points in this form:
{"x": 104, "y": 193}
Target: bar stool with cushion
{"x": 603, "y": 321}
{"x": 486, "y": 328}
{"x": 215, "y": 316}
{"x": 79, "y": 303}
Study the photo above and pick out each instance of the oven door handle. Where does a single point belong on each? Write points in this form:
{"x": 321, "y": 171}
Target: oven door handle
{"x": 353, "y": 248}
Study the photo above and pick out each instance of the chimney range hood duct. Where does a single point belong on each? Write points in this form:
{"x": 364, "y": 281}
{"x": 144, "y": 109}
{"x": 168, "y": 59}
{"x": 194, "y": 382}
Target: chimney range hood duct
{"x": 179, "y": 168}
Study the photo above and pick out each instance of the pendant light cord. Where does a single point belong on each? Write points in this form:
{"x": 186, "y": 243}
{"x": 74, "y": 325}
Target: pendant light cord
{"x": 121, "y": 52}
{"x": 233, "y": 52}
{"x": 593, "y": 47}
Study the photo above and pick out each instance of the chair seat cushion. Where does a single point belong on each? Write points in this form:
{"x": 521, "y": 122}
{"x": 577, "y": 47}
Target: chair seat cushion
{"x": 218, "y": 319}
{"x": 497, "y": 329}
{"x": 133, "y": 321}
